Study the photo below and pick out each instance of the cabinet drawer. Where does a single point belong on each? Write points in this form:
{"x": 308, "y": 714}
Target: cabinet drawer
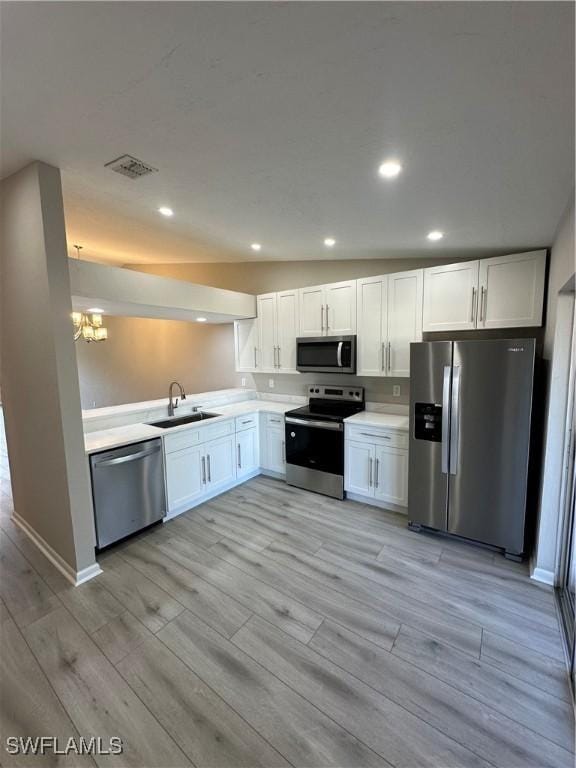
{"x": 184, "y": 439}
{"x": 246, "y": 422}
{"x": 274, "y": 420}
{"x": 377, "y": 436}
{"x": 190, "y": 437}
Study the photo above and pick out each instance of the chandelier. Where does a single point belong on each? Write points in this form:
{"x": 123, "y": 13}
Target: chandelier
{"x": 88, "y": 325}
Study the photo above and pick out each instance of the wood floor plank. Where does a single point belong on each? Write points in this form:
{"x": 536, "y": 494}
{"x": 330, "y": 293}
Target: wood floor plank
{"x": 190, "y": 526}
{"x": 392, "y": 583}
{"x": 376, "y": 626}
{"x": 207, "y": 729}
{"x": 25, "y": 593}
{"x": 28, "y": 705}
{"x": 533, "y": 668}
{"x": 51, "y": 575}
{"x": 260, "y": 598}
{"x": 153, "y": 606}
{"x": 120, "y": 636}
{"x": 91, "y": 604}
{"x": 96, "y": 697}
{"x": 299, "y": 731}
{"x": 432, "y": 583}
{"x": 488, "y": 732}
{"x": 462, "y": 634}
{"x": 390, "y": 730}
{"x": 231, "y": 529}
{"x": 539, "y": 711}
{"x": 246, "y": 512}
{"x": 221, "y": 612}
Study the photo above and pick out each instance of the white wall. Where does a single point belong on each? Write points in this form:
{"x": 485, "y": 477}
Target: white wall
{"x": 557, "y": 340}
{"x": 48, "y": 468}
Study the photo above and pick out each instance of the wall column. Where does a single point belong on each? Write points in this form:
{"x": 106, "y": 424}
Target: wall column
{"x": 40, "y": 392}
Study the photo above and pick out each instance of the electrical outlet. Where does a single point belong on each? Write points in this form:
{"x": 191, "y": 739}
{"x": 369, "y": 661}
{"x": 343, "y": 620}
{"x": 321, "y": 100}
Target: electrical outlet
{"x": 243, "y": 381}
{"x": 271, "y": 383}
{"x": 396, "y": 390}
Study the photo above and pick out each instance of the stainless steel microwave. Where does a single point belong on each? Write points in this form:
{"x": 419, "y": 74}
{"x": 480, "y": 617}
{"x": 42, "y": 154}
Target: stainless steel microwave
{"x": 326, "y": 354}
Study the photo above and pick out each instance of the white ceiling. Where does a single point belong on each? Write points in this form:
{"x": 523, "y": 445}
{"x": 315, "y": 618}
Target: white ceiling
{"x": 267, "y": 122}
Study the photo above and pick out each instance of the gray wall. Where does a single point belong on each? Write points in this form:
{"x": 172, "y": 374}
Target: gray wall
{"x": 141, "y": 357}
{"x": 39, "y": 378}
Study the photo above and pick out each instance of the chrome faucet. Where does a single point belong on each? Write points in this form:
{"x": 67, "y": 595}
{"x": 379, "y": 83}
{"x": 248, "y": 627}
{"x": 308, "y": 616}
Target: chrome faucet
{"x": 172, "y": 406}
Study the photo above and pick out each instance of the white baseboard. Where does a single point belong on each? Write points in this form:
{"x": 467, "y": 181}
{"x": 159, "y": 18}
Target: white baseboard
{"x": 376, "y": 503}
{"x": 74, "y": 577}
{"x": 543, "y": 576}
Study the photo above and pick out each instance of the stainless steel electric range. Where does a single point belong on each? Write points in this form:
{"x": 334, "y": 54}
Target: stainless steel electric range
{"x": 315, "y": 438}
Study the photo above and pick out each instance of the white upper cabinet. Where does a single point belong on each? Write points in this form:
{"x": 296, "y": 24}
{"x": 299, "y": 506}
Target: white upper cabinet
{"x": 340, "y": 308}
{"x": 405, "y": 297}
{"x": 389, "y": 319}
{"x": 372, "y": 325}
{"x": 512, "y": 290}
{"x": 328, "y": 310}
{"x": 450, "y": 297}
{"x": 246, "y": 345}
{"x": 501, "y": 292}
{"x": 277, "y": 331}
{"x": 312, "y": 304}
{"x": 266, "y": 305}
{"x": 287, "y": 330}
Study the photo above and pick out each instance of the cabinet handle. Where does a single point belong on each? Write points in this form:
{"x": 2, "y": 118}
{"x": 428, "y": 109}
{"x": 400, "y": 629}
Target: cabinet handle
{"x": 209, "y": 473}
{"x": 384, "y": 356}
{"x": 389, "y": 356}
{"x": 283, "y": 451}
{"x": 239, "y": 457}
{"x": 203, "y": 470}
{"x": 327, "y": 318}
{"x": 369, "y": 434}
{"x": 473, "y": 303}
{"x": 255, "y": 362}
{"x": 279, "y": 364}
{"x": 248, "y": 421}
{"x": 322, "y": 318}
{"x": 376, "y": 474}
{"x": 483, "y": 295}
{"x": 370, "y": 462}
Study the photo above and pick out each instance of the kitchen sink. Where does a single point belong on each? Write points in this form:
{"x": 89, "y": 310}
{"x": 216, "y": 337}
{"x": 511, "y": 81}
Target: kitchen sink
{"x": 167, "y": 423}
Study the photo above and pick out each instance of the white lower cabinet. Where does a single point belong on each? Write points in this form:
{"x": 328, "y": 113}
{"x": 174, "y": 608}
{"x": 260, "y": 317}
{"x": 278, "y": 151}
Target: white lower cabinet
{"x": 220, "y": 464}
{"x": 196, "y": 471}
{"x": 247, "y": 459}
{"x": 391, "y": 475}
{"x": 273, "y": 456}
{"x": 184, "y": 478}
{"x": 376, "y": 465}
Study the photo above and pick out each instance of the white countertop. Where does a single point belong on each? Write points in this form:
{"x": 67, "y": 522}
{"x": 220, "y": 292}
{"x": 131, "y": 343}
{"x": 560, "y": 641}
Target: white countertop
{"x": 105, "y": 439}
{"x": 379, "y": 419}
{"x": 107, "y": 428}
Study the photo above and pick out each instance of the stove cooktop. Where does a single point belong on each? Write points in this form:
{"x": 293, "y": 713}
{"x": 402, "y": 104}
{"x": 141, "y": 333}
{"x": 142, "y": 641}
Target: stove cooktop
{"x": 328, "y": 412}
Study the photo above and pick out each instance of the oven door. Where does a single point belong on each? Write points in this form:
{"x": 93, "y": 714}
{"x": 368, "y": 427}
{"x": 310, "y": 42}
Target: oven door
{"x": 315, "y": 455}
{"x": 326, "y": 354}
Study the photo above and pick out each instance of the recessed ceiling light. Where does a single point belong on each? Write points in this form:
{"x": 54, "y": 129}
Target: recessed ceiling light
{"x": 95, "y": 311}
{"x": 165, "y": 211}
{"x": 200, "y": 319}
{"x": 256, "y": 247}
{"x": 329, "y": 242}
{"x": 390, "y": 169}
{"x": 435, "y": 235}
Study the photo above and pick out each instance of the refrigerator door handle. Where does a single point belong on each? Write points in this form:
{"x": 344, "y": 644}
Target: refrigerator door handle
{"x": 446, "y": 418}
{"x": 455, "y": 420}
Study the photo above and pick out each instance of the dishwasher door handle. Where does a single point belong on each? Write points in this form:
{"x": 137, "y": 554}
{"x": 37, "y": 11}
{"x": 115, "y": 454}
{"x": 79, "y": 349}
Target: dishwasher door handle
{"x": 124, "y": 459}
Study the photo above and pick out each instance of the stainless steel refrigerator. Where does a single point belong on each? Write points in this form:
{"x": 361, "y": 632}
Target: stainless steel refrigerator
{"x": 470, "y": 414}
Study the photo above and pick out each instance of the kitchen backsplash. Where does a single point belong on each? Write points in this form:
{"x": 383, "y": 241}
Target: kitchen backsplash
{"x": 377, "y": 390}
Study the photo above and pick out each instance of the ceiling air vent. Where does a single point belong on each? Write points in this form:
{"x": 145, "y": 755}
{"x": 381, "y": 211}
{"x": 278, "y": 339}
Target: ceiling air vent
{"x": 130, "y": 166}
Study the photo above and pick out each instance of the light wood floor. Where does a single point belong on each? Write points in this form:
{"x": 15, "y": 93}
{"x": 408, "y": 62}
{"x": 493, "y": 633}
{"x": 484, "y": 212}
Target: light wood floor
{"x": 273, "y": 627}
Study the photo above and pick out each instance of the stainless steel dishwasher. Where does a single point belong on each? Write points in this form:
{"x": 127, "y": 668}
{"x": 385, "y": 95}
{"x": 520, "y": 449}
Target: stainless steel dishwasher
{"x": 128, "y": 490}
